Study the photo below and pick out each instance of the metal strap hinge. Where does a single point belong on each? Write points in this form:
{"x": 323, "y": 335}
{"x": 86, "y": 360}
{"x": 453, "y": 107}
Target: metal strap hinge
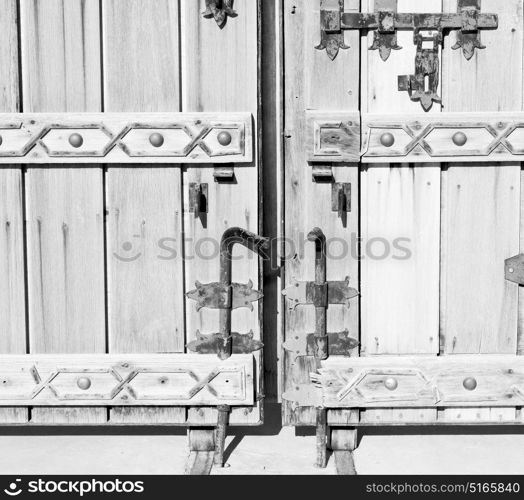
{"x": 468, "y": 21}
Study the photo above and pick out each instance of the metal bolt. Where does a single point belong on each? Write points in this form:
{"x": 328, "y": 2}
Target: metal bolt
{"x": 460, "y": 138}
{"x": 224, "y": 138}
{"x": 76, "y": 140}
{"x": 83, "y": 383}
{"x": 387, "y": 139}
{"x": 391, "y": 384}
{"x": 156, "y": 140}
{"x": 511, "y": 270}
{"x": 470, "y": 384}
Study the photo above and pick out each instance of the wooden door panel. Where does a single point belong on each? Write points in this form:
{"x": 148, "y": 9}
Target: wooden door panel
{"x": 65, "y": 230}
{"x": 146, "y": 306}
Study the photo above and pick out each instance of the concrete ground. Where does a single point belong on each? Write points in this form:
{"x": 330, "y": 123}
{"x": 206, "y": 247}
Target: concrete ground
{"x": 269, "y": 450}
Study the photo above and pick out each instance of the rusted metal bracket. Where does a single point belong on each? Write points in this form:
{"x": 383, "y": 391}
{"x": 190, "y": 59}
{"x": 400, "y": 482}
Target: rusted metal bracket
{"x": 225, "y": 295}
{"x": 386, "y": 21}
{"x": 339, "y": 344}
{"x": 320, "y": 294}
{"x": 209, "y": 344}
{"x": 341, "y": 198}
{"x": 198, "y": 198}
{"x": 220, "y": 296}
{"x": 514, "y": 269}
{"x": 423, "y": 85}
{"x": 220, "y": 10}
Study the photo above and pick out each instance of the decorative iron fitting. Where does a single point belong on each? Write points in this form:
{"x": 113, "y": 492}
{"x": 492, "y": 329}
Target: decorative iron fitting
{"x": 427, "y": 66}
{"x": 339, "y": 344}
{"x": 226, "y": 295}
{"x": 210, "y": 344}
{"x": 320, "y": 293}
{"x": 301, "y": 293}
{"x": 386, "y": 21}
{"x": 220, "y": 296}
{"x": 220, "y": 10}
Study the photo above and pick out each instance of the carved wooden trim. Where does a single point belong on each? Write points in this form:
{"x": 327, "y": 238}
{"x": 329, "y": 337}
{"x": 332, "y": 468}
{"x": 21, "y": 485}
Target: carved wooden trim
{"x": 333, "y": 136}
{"x": 402, "y": 382}
{"x": 173, "y": 138}
{"x": 127, "y": 380}
{"x": 443, "y": 137}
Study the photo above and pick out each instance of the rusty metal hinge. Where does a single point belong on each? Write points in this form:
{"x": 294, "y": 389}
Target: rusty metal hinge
{"x": 219, "y": 10}
{"x": 227, "y": 296}
{"x": 427, "y": 27}
{"x": 321, "y": 294}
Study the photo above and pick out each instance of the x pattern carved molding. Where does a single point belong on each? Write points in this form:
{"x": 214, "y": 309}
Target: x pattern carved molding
{"x": 179, "y": 381}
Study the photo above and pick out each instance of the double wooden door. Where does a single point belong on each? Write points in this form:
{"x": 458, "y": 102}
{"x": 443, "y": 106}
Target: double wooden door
{"x": 435, "y": 214}
{"x": 97, "y": 258}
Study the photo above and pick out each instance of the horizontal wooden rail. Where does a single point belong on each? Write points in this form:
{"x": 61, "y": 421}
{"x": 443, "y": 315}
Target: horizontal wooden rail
{"x": 126, "y": 380}
{"x": 420, "y": 382}
{"x": 80, "y": 138}
{"x": 443, "y": 137}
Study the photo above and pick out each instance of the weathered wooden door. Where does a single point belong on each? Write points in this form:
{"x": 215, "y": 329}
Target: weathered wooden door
{"x": 110, "y": 217}
{"x": 422, "y": 115}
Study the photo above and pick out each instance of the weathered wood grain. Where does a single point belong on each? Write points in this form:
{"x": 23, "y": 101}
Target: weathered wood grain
{"x": 140, "y": 380}
{"x": 126, "y": 138}
{"x": 60, "y": 43}
{"x": 481, "y": 206}
{"x": 145, "y": 306}
{"x": 399, "y": 203}
{"x": 12, "y": 294}
{"x": 333, "y": 136}
{"x": 421, "y": 382}
{"x": 313, "y": 82}
{"x": 220, "y": 73}
{"x": 399, "y": 287}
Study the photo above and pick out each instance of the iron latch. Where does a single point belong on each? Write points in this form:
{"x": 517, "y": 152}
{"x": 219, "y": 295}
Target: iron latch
{"x": 321, "y": 294}
{"x": 227, "y": 296}
{"x": 386, "y": 21}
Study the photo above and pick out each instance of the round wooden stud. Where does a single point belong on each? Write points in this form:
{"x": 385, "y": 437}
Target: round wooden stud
{"x": 156, "y": 140}
{"x": 76, "y": 140}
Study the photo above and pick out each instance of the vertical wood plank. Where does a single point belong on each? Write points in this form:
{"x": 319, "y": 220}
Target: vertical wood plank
{"x": 220, "y": 72}
{"x": 12, "y": 294}
{"x": 314, "y": 82}
{"x": 481, "y": 203}
{"x": 400, "y": 290}
{"x": 144, "y": 228}
{"x": 65, "y": 252}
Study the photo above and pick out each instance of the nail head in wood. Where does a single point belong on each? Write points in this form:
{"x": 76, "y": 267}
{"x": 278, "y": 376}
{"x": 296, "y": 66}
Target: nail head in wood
{"x": 76, "y": 140}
